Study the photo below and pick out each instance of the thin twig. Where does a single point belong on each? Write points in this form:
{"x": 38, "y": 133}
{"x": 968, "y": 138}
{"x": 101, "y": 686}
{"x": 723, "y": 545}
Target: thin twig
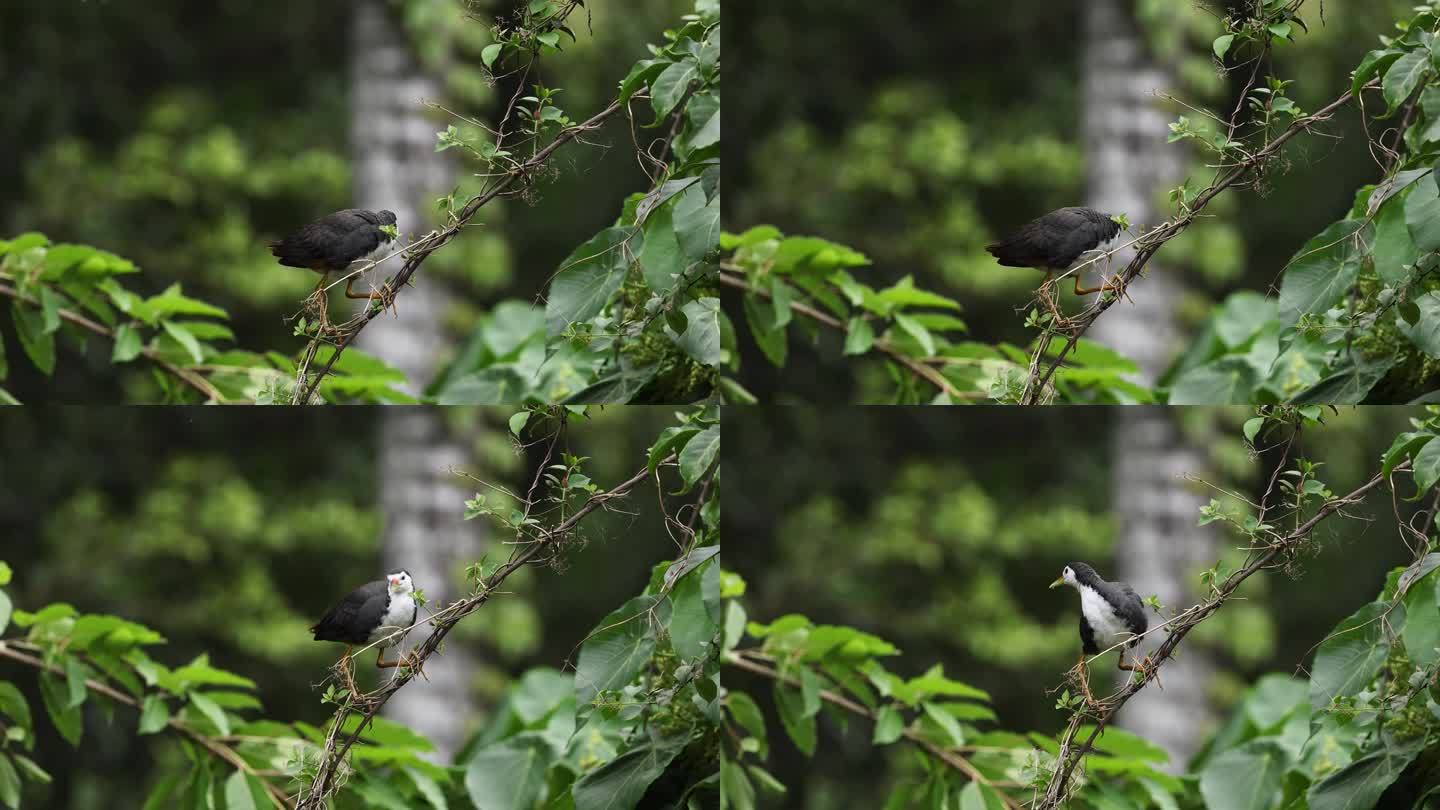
{"x": 215, "y": 747}
{"x": 945, "y": 755}
{"x": 186, "y": 376}
{"x": 914, "y": 366}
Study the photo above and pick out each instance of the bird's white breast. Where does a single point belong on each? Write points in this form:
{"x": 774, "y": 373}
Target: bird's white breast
{"x": 398, "y": 616}
{"x": 1103, "y": 621}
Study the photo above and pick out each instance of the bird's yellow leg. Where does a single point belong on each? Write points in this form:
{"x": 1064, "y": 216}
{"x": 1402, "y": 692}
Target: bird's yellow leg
{"x": 382, "y": 663}
{"x": 1085, "y": 290}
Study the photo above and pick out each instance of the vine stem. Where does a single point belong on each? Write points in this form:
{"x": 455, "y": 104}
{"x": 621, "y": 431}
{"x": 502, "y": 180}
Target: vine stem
{"x": 950, "y": 758}
{"x": 215, "y": 747}
{"x": 186, "y": 376}
{"x": 915, "y": 367}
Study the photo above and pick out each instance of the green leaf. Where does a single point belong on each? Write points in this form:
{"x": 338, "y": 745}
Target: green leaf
{"x": 154, "y": 715}
{"x": 701, "y": 339}
{"x": 915, "y": 330}
{"x": 66, "y": 718}
{"x": 692, "y": 628}
{"x": 5, "y": 574}
{"x": 1361, "y": 783}
{"x": 1221, "y": 45}
{"x": 490, "y": 53}
{"x": 14, "y": 706}
{"x": 1403, "y": 77}
{"x": 212, "y": 712}
{"x": 38, "y": 344}
{"x": 945, "y": 721}
{"x": 668, "y": 88}
{"x": 617, "y": 650}
{"x": 74, "y": 682}
{"x": 744, "y": 710}
{"x": 127, "y": 344}
{"x": 1324, "y": 270}
{"x": 1349, "y": 382}
{"x": 699, "y": 454}
{"x": 791, "y": 707}
{"x": 904, "y": 294}
{"x": 1246, "y": 778}
{"x": 1375, "y": 62}
{"x": 1349, "y": 658}
{"x": 1425, "y": 331}
{"x": 659, "y": 256}
{"x": 1230, "y": 380}
{"x": 9, "y": 783}
{"x": 889, "y": 724}
{"x": 589, "y": 277}
{"x": 735, "y": 788}
{"x": 237, "y": 793}
{"x": 30, "y": 770}
{"x": 1422, "y": 618}
{"x": 5, "y": 609}
{"x": 859, "y": 336}
{"x": 697, "y": 223}
{"x": 670, "y": 438}
{"x": 518, "y": 421}
{"x": 769, "y": 335}
{"x": 427, "y": 787}
{"x": 622, "y": 782}
{"x": 173, "y": 302}
{"x": 1252, "y": 428}
{"x": 1393, "y": 246}
{"x": 1422, "y": 217}
{"x": 509, "y": 775}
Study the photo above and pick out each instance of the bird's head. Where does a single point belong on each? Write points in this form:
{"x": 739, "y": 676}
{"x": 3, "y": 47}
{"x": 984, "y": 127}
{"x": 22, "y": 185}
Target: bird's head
{"x": 1072, "y": 573}
{"x": 386, "y": 221}
{"x": 400, "y": 582}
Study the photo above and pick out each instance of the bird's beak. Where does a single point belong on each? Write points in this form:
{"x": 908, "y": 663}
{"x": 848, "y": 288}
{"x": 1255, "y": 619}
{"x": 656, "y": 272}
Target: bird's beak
{"x": 1058, "y": 582}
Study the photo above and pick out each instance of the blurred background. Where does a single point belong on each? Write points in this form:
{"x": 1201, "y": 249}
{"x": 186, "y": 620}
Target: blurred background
{"x": 187, "y": 137}
{"x": 230, "y": 532}
{"x": 934, "y": 128}
{"x": 939, "y": 531}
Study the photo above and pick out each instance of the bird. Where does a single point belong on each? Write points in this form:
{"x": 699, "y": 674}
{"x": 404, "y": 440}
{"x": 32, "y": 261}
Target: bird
{"x": 1054, "y": 241}
{"x": 1110, "y": 612}
{"x": 331, "y": 243}
{"x": 378, "y": 612}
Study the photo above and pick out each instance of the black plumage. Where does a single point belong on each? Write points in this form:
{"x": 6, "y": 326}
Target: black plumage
{"x": 331, "y": 243}
{"x": 1122, "y": 599}
{"x": 356, "y": 616}
{"x": 1054, "y": 241}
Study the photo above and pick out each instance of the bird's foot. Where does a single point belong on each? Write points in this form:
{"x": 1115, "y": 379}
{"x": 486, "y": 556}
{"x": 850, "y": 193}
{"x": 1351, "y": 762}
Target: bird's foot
{"x": 1151, "y": 670}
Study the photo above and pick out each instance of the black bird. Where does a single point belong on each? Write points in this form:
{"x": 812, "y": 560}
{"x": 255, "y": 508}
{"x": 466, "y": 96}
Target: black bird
{"x": 330, "y": 244}
{"x": 370, "y": 614}
{"x": 1054, "y": 241}
{"x": 1110, "y": 612}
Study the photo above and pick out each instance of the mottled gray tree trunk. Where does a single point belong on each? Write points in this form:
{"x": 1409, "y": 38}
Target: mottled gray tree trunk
{"x": 396, "y": 167}
{"x": 1159, "y": 547}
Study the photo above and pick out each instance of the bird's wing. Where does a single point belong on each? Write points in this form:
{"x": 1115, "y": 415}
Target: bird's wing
{"x": 352, "y": 619}
{"x": 1087, "y": 637}
{"x": 1132, "y": 610}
